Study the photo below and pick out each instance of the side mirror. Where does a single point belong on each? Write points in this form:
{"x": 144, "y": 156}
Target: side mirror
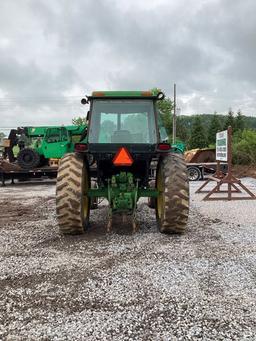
{"x": 84, "y": 101}
{"x": 160, "y": 96}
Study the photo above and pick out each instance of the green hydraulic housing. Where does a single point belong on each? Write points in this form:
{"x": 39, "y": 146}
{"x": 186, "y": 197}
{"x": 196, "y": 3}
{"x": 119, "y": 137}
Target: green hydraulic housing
{"x": 122, "y": 192}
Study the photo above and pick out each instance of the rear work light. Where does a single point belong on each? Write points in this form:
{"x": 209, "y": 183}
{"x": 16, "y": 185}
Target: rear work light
{"x": 98, "y": 93}
{"x": 81, "y": 147}
{"x": 123, "y": 157}
{"x": 164, "y": 147}
{"x": 146, "y": 93}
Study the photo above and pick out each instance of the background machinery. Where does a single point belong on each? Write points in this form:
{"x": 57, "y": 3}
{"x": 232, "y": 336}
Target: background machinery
{"x": 124, "y": 137}
{"x": 202, "y": 162}
{"x": 39, "y": 144}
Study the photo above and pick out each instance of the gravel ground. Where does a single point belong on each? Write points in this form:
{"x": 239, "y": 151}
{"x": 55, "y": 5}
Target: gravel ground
{"x": 146, "y": 286}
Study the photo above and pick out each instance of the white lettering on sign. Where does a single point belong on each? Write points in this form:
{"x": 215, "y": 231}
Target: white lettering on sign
{"x": 222, "y": 146}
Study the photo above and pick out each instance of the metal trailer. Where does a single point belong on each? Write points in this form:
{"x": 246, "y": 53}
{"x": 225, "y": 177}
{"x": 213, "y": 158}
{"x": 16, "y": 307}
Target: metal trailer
{"x": 196, "y": 170}
{"x": 37, "y": 173}
{"x": 24, "y": 175}
{"x": 199, "y": 171}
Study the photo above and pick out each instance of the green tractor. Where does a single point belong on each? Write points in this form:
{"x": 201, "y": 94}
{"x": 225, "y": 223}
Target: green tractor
{"x": 39, "y": 144}
{"x": 124, "y": 137}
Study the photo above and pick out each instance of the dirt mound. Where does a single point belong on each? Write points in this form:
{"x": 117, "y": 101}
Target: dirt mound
{"x": 200, "y": 155}
{"x": 241, "y": 171}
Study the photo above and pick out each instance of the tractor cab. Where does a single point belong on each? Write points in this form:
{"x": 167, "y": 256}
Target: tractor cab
{"x": 119, "y": 117}
{"x": 123, "y": 121}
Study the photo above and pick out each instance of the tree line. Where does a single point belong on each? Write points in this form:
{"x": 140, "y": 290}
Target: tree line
{"x": 199, "y": 131}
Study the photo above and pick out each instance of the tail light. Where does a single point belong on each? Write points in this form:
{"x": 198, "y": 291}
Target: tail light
{"x": 164, "y": 147}
{"x": 81, "y": 147}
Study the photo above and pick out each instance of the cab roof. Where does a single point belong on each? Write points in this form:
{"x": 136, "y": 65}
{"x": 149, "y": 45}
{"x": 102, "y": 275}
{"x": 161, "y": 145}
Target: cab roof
{"x": 123, "y": 94}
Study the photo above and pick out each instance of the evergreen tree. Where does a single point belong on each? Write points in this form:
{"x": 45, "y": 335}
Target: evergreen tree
{"x": 239, "y": 121}
{"x": 2, "y": 136}
{"x": 182, "y": 129}
{"x": 197, "y": 138}
{"x": 230, "y": 121}
{"x": 165, "y": 108}
{"x": 214, "y": 127}
{"x": 79, "y": 121}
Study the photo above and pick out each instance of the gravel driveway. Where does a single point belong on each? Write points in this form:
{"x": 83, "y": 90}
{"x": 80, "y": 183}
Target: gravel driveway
{"x": 146, "y": 286}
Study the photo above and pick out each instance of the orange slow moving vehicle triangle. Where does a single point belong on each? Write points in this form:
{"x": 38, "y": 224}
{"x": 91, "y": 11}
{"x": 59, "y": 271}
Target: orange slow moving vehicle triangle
{"x": 123, "y": 158}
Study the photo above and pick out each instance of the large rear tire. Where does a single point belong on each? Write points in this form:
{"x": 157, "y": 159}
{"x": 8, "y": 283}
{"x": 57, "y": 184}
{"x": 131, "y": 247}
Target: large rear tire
{"x": 72, "y": 202}
{"x": 172, "y": 204}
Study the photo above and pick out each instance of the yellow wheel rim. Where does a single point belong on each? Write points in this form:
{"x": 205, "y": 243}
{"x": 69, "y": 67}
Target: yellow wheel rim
{"x": 160, "y": 187}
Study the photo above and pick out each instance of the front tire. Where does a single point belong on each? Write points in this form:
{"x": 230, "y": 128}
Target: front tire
{"x": 172, "y": 203}
{"x": 72, "y": 202}
{"x": 28, "y": 158}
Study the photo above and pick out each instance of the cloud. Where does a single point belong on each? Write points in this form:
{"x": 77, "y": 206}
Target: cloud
{"x": 52, "y": 53}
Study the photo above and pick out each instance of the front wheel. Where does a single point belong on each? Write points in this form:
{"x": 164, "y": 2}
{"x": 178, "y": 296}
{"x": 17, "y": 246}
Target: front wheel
{"x": 28, "y": 158}
{"x": 72, "y": 202}
{"x": 172, "y": 203}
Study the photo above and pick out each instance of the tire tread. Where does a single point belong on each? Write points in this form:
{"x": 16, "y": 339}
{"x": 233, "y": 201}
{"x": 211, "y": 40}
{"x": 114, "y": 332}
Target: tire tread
{"x": 176, "y": 192}
{"x": 68, "y": 194}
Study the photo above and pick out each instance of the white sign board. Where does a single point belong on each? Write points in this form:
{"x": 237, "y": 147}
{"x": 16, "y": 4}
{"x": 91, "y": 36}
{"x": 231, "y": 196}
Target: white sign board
{"x": 222, "y": 146}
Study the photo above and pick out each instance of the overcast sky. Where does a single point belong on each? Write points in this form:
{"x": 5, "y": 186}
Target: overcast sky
{"x": 54, "y": 52}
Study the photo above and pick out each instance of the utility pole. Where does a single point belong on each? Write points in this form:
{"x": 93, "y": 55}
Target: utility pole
{"x": 174, "y": 115}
